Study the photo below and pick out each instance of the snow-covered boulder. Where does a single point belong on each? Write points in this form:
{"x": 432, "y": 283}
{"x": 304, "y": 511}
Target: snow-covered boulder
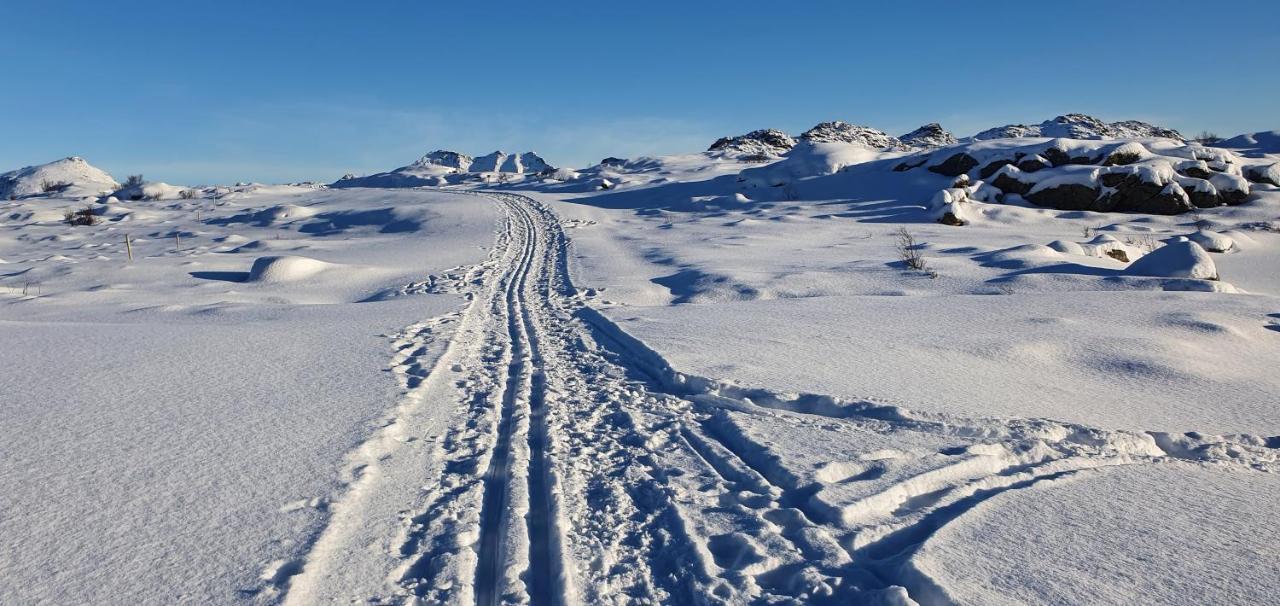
{"x": 1178, "y": 259}
{"x": 1264, "y": 173}
{"x": 928, "y": 136}
{"x": 843, "y": 132}
{"x": 71, "y": 177}
{"x": 763, "y": 142}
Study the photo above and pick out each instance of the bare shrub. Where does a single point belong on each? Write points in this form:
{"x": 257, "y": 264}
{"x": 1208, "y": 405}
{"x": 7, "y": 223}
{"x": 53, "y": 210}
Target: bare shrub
{"x": 133, "y": 180}
{"x": 1207, "y": 138}
{"x": 54, "y": 187}
{"x": 1144, "y": 241}
{"x": 83, "y": 216}
{"x": 909, "y": 250}
{"x": 187, "y": 194}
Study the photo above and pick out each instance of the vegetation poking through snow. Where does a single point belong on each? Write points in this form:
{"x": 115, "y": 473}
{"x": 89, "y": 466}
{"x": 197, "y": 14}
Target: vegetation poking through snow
{"x": 909, "y": 250}
{"x": 82, "y": 216}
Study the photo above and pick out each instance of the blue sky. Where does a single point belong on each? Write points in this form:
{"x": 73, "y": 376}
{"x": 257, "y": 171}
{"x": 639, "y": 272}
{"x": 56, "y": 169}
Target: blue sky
{"x": 205, "y": 92}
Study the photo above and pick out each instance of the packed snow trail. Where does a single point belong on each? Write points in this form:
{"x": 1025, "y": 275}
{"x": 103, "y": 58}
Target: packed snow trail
{"x": 546, "y": 457}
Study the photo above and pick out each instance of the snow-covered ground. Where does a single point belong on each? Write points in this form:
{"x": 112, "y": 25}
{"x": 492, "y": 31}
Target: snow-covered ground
{"x": 707, "y": 378}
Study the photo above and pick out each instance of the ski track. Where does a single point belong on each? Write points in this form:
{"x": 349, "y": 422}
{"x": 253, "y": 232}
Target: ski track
{"x": 574, "y": 466}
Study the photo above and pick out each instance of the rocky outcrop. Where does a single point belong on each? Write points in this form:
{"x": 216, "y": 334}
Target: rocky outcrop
{"x": 1080, "y": 126}
{"x": 928, "y": 136}
{"x": 843, "y": 132}
{"x": 446, "y": 159}
{"x": 768, "y": 141}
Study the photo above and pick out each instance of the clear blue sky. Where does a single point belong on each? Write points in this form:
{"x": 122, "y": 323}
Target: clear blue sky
{"x": 202, "y": 92}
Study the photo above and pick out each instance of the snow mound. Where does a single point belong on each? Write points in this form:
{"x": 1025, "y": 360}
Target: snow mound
{"x": 843, "y": 132}
{"x": 287, "y": 268}
{"x": 1212, "y": 241}
{"x": 763, "y": 142}
{"x": 807, "y": 159}
{"x": 928, "y": 136}
{"x": 1179, "y": 259}
{"x": 1080, "y": 126}
{"x": 66, "y": 177}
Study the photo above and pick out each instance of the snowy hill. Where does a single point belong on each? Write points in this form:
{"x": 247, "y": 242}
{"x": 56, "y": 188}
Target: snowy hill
{"x": 928, "y": 136}
{"x": 66, "y": 177}
{"x": 764, "y": 142}
{"x": 843, "y": 132}
{"x": 1254, "y": 144}
{"x": 1080, "y": 126}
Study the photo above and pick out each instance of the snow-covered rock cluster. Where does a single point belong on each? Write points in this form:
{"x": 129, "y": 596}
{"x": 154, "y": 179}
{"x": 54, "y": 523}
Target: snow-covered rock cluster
{"x": 1080, "y": 126}
{"x": 928, "y": 136}
{"x": 67, "y": 177}
{"x": 843, "y": 132}
{"x": 766, "y": 142}
{"x": 1147, "y": 176}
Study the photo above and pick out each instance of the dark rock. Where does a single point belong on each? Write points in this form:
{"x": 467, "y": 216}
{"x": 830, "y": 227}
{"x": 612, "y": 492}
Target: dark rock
{"x": 1071, "y": 196}
{"x": 906, "y": 165}
{"x": 1117, "y": 254}
{"x": 1058, "y": 157}
{"x": 1196, "y": 172}
{"x": 955, "y": 166}
{"x": 1033, "y": 164}
{"x": 949, "y": 218}
{"x": 611, "y": 161}
{"x": 991, "y": 168}
{"x": 1009, "y": 185}
{"x": 1133, "y": 194}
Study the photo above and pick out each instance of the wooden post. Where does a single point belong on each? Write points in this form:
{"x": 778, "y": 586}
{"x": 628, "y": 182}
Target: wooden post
{"x": 128, "y": 247}
{"x": 177, "y": 242}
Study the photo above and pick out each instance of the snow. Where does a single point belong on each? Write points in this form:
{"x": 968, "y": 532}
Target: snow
{"x": 707, "y": 377}
{"x": 1179, "y": 259}
{"x": 1169, "y": 534}
{"x": 73, "y": 176}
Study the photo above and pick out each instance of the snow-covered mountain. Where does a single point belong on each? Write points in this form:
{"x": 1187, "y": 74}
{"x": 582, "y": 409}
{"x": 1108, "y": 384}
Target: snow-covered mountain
{"x": 70, "y": 176}
{"x": 446, "y": 159}
{"x": 1080, "y": 126}
{"x": 763, "y": 142}
{"x": 443, "y": 167}
{"x": 928, "y": 136}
